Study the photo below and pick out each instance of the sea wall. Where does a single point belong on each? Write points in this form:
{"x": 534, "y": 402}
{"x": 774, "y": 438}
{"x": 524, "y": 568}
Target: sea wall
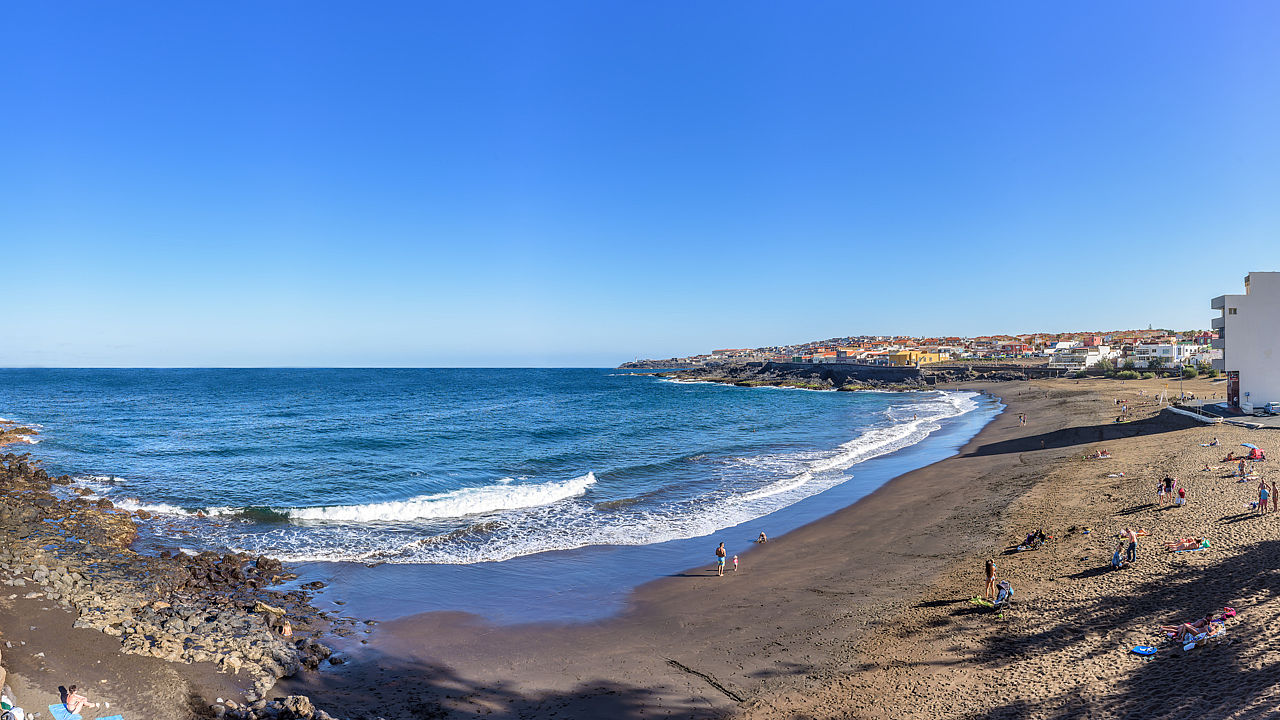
{"x": 824, "y": 376}
{"x": 843, "y": 376}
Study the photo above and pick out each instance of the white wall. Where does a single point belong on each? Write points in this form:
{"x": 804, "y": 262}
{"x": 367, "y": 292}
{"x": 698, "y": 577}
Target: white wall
{"x": 1253, "y": 338}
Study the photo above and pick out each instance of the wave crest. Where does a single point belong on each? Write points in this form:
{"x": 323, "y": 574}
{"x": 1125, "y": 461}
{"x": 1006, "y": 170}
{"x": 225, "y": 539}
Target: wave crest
{"x": 507, "y": 495}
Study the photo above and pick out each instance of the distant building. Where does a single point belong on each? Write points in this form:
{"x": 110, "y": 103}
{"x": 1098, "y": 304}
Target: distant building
{"x": 1249, "y": 337}
{"x": 913, "y": 358}
{"x": 1165, "y": 355}
{"x": 1079, "y": 358}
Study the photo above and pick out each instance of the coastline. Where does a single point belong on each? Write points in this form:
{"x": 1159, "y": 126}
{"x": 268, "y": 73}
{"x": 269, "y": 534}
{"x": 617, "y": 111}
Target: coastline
{"x": 865, "y": 613}
{"x": 694, "y": 645}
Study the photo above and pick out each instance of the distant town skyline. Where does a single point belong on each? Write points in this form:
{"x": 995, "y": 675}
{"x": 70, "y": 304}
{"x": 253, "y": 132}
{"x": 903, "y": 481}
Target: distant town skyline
{"x": 583, "y": 184}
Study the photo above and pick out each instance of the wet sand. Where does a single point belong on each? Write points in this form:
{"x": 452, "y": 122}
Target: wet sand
{"x": 866, "y": 613}
{"x": 794, "y": 632}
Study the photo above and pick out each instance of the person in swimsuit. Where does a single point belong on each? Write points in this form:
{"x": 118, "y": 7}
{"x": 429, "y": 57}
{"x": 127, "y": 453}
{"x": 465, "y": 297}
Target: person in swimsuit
{"x": 990, "y": 592}
{"x": 1133, "y": 545}
{"x": 1275, "y": 497}
{"x": 763, "y": 538}
{"x": 75, "y": 701}
{"x": 1263, "y": 494}
{"x": 720, "y": 556}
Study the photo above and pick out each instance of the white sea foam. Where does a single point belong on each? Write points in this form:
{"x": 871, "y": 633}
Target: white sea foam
{"x": 514, "y": 530}
{"x": 506, "y": 495}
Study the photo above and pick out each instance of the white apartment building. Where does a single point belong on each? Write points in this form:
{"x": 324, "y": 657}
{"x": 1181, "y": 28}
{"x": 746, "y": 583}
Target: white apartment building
{"x": 1249, "y": 337}
{"x": 1170, "y": 354}
{"x": 1079, "y": 358}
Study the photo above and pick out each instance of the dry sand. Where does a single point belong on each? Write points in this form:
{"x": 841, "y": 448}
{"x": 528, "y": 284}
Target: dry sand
{"x": 866, "y": 613}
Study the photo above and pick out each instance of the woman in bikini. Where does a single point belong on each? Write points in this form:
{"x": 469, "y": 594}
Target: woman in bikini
{"x": 75, "y": 701}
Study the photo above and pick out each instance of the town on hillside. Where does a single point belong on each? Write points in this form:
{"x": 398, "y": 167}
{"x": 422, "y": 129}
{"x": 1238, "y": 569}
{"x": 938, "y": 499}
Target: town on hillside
{"x": 1070, "y": 351}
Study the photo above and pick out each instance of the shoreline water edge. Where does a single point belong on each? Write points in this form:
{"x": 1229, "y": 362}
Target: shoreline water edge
{"x": 804, "y": 629}
{"x": 229, "y": 612}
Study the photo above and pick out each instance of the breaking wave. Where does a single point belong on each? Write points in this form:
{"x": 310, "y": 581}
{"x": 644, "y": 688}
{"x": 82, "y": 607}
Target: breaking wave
{"x": 507, "y": 495}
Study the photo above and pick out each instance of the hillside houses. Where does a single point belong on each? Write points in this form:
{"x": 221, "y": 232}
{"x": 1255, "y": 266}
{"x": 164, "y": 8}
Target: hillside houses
{"x": 1139, "y": 349}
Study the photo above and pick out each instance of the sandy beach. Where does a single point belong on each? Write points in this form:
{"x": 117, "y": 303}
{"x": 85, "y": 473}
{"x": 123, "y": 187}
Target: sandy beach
{"x": 867, "y": 612}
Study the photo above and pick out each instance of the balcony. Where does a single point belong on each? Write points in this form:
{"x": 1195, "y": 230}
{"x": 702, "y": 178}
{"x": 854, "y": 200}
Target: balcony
{"x": 1218, "y": 344}
{"x": 1219, "y": 364}
{"x": 1218, "y": 323}
{"x": 1218, "y": 303}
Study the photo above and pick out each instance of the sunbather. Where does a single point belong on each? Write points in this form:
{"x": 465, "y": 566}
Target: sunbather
{"x": 1190, "y": 543}
{"x": 75, "y": 701}
{"x": 1191, "y": 629}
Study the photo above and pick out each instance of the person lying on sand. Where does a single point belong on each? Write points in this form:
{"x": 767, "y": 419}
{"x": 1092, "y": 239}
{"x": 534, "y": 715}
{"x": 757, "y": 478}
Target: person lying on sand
{"x": 1190, "y": 543}
{"x": 1099, "y": 455}
{"x": 75, "y": 701}
{"x": 1231, "y": 457}
{"x": 1186, "y": 631}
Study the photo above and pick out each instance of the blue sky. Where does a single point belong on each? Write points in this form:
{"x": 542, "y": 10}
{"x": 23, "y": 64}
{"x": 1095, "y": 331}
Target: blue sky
{"x": 503, "y": 184}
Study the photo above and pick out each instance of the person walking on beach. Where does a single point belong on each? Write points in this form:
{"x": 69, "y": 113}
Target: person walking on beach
{"x": 720, "y": 556}
{"x": 1132, "y": 553}
{"x": 990, "y": 592}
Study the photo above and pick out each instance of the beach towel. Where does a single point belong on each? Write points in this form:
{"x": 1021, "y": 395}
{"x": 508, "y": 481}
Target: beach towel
{"x": 60, "y": 712}
{"x": 112, "y": 717}
{"x": 1202, "y": 547}
{"x": 1143, "y": 650}
{"x": 982, "y": 601}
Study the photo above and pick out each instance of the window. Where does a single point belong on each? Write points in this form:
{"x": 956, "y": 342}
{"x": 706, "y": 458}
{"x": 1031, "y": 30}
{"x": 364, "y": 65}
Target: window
{"x": 1231, "y": 311}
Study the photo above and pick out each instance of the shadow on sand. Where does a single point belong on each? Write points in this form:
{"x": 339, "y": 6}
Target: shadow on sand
{"x": 1228, "y": 680}
{"x": 383, "y": 686}
{"x": 1084, "y": 435}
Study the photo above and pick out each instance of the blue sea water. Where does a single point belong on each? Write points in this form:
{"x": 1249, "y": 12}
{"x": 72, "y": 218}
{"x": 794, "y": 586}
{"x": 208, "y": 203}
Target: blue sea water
{"x": 517, "y": 493}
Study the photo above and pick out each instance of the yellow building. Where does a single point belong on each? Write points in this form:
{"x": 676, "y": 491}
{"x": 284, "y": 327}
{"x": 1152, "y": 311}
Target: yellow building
{"x": 911, "y": 358}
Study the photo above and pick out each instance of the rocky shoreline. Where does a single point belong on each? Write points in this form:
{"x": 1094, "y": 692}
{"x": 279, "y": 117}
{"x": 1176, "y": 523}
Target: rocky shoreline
{"x": 832, "y": 376}
{"x": 224, "y": 609}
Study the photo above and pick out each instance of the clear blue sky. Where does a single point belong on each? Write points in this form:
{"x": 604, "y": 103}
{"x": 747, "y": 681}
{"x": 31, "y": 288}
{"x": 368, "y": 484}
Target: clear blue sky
{"x": 474, "y": 183}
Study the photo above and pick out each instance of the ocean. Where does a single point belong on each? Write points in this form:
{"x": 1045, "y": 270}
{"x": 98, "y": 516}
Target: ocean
{"x": 519, "y": 494}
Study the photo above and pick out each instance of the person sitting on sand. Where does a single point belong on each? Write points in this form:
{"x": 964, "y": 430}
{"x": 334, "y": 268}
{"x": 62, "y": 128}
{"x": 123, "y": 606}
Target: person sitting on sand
{"x": 762, "y": 539}
{"x": 75, "y": 701}
{"x": 1117, "y": 561}
{"x": 1191, "y": 543}
{"x": 1213, "y": 442}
